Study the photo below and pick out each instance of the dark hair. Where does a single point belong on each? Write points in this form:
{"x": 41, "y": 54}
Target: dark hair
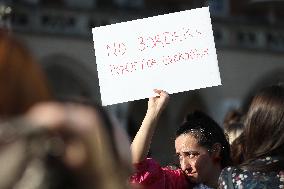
{"x": 233, "y": 121}
{"x": 208, "y": 133}
{"x": 264, "y": 127}
{"x": 237, "y": 150}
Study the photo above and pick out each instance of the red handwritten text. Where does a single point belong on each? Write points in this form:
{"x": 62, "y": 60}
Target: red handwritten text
{"x": 116, "y": 49}
{"x": 166, "y": 38}
{"x": 144, "y": 64}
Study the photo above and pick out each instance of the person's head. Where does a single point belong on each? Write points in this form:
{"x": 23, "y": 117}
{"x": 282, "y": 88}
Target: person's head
{"x": 202, "y": 148}
{"x": 22, "y": 82}
{"x": 68, "y": 148}
{"x": 264, "y": 124}
{"x": 118, "y": 137}
{"x": 233, "y": 124}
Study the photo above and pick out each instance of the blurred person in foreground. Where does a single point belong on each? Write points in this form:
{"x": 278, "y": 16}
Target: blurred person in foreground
{"x": 263, "y": 165}
{"x": 61, "y": 146}
{"x": 68, "y": 145}
{"x": 200, "y": 144}
{"x": 22, "y": 82}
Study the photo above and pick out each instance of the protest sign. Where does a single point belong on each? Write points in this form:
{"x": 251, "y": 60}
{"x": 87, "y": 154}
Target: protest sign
{"x": 173, "y": 52}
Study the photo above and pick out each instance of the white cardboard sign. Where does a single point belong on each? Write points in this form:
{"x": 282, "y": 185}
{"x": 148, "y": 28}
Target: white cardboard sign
{"x": 173, "y": 52}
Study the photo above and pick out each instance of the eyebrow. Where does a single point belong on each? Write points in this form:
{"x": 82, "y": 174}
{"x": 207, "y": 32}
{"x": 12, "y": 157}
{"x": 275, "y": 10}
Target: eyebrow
{"x": 188, "y": 151}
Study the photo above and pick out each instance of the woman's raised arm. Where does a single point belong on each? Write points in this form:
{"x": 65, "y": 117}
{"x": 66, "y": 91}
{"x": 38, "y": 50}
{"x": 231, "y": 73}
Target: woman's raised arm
{"x": 141, "y": 143}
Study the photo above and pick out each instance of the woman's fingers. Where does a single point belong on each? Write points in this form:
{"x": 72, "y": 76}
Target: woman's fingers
{"x": 161, "y": 92}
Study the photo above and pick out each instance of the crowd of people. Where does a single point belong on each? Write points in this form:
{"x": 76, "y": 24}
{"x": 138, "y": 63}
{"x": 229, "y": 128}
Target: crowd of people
{"x": 74, "y": 143}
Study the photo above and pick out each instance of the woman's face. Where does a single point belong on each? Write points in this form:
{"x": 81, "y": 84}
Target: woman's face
{"x": 195, "y": 160}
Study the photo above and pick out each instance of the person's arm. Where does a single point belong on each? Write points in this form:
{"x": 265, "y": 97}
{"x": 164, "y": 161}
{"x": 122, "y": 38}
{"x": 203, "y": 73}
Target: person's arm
{"x": 141, "y": 143}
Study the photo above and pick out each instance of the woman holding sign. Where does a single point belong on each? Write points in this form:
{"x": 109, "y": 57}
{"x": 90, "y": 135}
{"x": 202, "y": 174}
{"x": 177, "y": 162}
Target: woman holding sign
{"x": 201, "y": 147}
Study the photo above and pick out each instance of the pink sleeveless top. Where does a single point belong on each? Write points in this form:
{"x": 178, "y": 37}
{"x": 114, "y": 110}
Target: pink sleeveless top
{"x": 150, "y": 175}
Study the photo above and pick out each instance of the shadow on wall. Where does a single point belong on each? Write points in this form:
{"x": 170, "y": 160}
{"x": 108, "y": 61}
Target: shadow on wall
{"x": 274, "y": 77}
{"x": 192, "y": 101}
{"x": 136, "y": 112}
{"x": 70, "y": 78}
{"x": 162, "y": 146}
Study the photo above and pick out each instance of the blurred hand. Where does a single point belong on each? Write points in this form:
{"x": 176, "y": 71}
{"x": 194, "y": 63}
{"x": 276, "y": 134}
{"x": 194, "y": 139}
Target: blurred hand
{"x": 47, "y": 114}
{"x": 54, "y": 115}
